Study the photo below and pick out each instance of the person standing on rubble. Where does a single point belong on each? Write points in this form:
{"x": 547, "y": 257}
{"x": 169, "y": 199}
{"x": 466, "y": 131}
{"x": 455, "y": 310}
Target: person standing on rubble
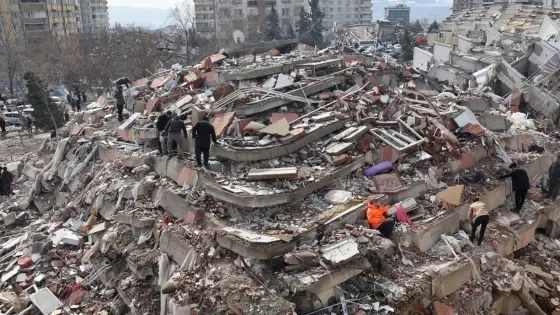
{"x": 554, "y": 179}
{"x": 7, "y": 178}
{"x": 120, "y": 101}
{"x": 162, "y": 121}
{"x": 3, "y": 122}
{"x": 203, "y": 132}
{"x": 519, "y": 183}
{"x": 478, "y": 216}
{"x": 84, "y": 97}
{"x": 173, "y": 130}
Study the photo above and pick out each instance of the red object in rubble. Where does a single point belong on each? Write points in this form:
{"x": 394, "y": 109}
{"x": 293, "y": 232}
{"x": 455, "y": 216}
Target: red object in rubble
{"x": 25, "y": 262}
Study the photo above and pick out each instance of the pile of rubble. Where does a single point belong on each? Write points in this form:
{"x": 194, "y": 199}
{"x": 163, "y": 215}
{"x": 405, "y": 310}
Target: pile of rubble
{"x": 100, "y": 223}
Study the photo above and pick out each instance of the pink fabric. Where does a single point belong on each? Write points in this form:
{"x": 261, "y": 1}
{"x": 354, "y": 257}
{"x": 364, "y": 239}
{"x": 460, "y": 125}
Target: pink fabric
{"x": 401, "y": 214}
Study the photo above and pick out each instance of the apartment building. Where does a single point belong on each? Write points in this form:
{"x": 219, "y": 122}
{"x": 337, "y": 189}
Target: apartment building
{"x": 399, "y": 14}
{"x": 219, "y": 18}
{"x": 346, "y": 12}
{"x": 95, "y": 16}
{"x": 459, "y": 5}
{"x": 35, "y": 19}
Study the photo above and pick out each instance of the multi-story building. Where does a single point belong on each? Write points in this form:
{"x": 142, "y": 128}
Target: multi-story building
{"x": 35, "y": 19}
{"x": 220, "y": 18}
{"x": 459, "y": 5}
{"x": 95, "y": 16}
{"x": 398, "y": 14}
{"x": 346, "y": 12}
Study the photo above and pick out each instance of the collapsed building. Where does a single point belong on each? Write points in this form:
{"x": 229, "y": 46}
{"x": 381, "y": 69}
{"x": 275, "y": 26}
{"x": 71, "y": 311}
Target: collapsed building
{"x": 100, "y": 223}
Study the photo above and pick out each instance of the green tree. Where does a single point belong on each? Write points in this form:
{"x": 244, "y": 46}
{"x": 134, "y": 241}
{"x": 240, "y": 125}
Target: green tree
{"x": 272, "y": 25}
{"x": 406, "y": 44}
{"x": 48, "y": 115}
{"x": 316, "y": 23}
{"x": 290, "y": 31}
{"x": 303, "y": 25}
{"x": 434, "y": 27}
{"x": 416, "y": 27}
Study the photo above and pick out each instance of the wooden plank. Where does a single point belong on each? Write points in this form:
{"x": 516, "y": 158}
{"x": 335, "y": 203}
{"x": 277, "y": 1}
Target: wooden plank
{"x": 273, "y": 173}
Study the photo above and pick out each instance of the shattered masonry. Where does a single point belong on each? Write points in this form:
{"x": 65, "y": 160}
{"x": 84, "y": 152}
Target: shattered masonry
{"x": 100, "y": 223}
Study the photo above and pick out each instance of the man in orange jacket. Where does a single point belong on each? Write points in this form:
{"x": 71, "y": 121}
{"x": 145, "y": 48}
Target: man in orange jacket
{"x": 377, "y": 220}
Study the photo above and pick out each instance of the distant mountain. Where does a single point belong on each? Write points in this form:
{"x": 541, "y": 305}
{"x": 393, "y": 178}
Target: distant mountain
{"x": 146, "y": 17}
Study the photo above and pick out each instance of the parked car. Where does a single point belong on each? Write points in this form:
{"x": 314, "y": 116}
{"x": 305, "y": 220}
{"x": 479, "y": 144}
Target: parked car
{"x": 12, "y": 118}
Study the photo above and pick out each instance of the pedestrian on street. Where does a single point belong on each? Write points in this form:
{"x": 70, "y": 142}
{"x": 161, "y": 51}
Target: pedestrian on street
{"x": 478, "y": 216}
{"x": 162, "y": 121}
{"x": 120, "y": 102}
{"x": 203, "y": 133}
{"x": 173, "y": 130}
{"x": 554, "y": 178}
{"x": 519, "y": 183}
{"x": 7, "y": 178}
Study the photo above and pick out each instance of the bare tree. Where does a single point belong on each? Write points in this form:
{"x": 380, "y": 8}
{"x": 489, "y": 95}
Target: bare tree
{"x": 11, "y": 43}
{"x": 182, "y": 15}
{"x": 425, "y": 22}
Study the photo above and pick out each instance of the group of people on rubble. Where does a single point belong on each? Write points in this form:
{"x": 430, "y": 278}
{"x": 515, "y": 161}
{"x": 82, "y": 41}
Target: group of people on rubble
{"x": 6, "y": 179}
{"x": 172, "y": 131}
{"x": 379, "y": 217}
{"x": 76, "y": 100}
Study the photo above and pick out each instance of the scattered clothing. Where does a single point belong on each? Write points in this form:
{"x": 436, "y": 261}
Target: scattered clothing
{"x": 401, "y": 214}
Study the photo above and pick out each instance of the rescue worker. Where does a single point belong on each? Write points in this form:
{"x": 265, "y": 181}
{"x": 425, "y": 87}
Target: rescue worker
{"x": 120, "y": 102}
{"x": 162, "y": 121}
{"x": 554, "y": 178}
{"x": 7, "y": 178}
{"x": 203, "y": 133}
{"x": 377, "y": 220}
{"x": 173, "y": 130}
{"x": 519, "y": 183}
{"x": 478, "y": 216}
{"x": 78, "y": 100}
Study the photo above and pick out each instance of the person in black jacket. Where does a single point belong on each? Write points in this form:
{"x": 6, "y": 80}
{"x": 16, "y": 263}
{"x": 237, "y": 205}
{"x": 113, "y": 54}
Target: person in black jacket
{"x": 173, "y": 130}
{"x": 554, "y": 178}
{"x": 7, "y": 179}
{"x": 162, "y": 121}
{"x": 203, "y": 132}
{"x": 120, "y": 102}
{"x": 519, "y": 183}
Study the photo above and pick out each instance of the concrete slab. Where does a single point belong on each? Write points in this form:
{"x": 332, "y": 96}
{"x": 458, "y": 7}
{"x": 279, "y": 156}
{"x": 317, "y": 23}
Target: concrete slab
{"x": 240, "y": 154}
{"x": 179, "y": 251}
{"x": 494, "y": 122}
{"x": 341, "y": 252}
{"x": 339, "y": 148}
{"x": 273, "y": 173}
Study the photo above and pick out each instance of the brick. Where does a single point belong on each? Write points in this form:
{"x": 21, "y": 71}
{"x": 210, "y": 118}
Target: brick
{"x": 193, "y": 217}
{"x": 364, "y": 144}
{"x": 188, "y": 176}
{"x": 221, "y": 121}
{"x": 293, "y": 136}
{"x": 76, "y": 130}
{"x": 342, "y": 159}
{"x": 152, "y": 105}
{"x": 387, "y": 153}
{"x": 278, "y": 116}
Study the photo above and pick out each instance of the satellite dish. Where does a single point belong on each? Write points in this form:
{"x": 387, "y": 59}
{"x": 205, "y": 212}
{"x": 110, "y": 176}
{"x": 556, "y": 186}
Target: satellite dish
{"x": 238, "y": 37}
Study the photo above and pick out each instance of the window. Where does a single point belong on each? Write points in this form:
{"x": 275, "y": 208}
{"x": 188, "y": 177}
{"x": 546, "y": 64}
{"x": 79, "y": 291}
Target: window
{"x": 225, "y": 12}
{"x": 285, "y": 11}
{"x": 238, "y": 12}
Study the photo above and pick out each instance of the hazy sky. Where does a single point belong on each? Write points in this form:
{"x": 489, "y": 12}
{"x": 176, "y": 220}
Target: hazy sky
{"x": 163, "y": 4}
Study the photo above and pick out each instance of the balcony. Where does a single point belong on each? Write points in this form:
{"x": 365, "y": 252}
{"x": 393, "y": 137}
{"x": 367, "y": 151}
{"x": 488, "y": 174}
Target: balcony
{"x": 253, "y": 3}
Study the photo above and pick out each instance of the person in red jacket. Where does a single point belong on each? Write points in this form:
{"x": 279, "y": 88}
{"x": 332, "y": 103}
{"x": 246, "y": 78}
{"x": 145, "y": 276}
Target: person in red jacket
{"x": 377, "y": 220}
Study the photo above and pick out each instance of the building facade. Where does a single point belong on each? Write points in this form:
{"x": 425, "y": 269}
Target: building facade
{"x": 398, "y": 14}
{"x": 35, "y": 19}
{"x": 95, "y": 16}
{"x": 346, "y": 12}
{"x": 220, "y": 18}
